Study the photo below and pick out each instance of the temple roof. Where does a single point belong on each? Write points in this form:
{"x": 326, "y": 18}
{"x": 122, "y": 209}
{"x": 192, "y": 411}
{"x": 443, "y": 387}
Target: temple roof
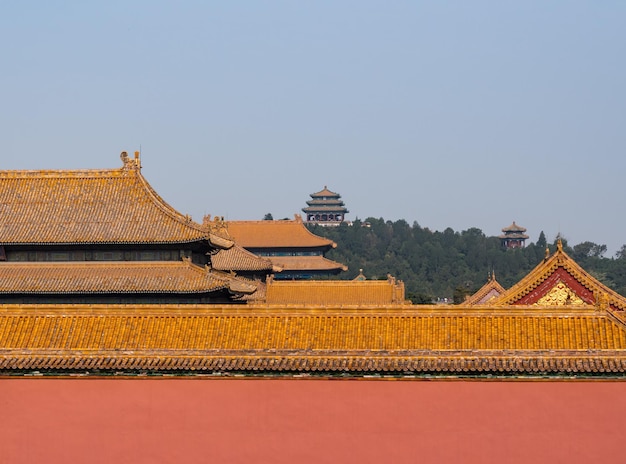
{"x": 275, "y": 340}
{"x": 488, "y": 292}
{"x": 559, "y": 280}
{"x": 90, "y": 207}
{"x": 306, "y": 263}
{"x": 276, "y": 234}
{"x": 115, "y": 277}
{"x": 239, "y": 259}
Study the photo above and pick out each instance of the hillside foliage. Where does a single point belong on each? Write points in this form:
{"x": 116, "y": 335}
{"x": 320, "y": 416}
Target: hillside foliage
{"x": 447, "y": 264}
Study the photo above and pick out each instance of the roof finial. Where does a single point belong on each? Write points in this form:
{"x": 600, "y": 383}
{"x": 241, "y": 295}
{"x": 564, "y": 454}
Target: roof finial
{"x": 559, "y": 244}
{"x": 137, "y": 159}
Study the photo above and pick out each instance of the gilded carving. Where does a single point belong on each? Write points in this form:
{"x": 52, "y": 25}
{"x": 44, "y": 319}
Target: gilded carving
{"x": 560, "y": 295}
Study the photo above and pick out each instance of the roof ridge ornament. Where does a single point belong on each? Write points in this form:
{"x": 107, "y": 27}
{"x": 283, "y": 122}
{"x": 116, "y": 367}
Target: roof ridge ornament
{"x": 134, "y": 164}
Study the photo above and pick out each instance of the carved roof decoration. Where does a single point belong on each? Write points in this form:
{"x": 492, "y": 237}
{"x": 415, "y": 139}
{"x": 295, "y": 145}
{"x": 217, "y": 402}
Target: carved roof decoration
{"x": 487, "y": 293}
{"x": 112, "y": 206}
{"x": 115, "y": 277}
{"x": 393, "y": 340}
{"x": 276, "y": 234}
{"x": 565, "y": 281}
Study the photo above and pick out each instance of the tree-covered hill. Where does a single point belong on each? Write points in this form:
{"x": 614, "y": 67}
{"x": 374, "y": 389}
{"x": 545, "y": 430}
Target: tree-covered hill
{"x": 436, "y": 265}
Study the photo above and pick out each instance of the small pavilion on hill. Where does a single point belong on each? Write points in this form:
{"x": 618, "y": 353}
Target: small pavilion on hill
{"x": 105, "y": 236}
{"x": 325, "y": 208}
{"x": 294, "y": 251}
{"x": 514, "y": 236}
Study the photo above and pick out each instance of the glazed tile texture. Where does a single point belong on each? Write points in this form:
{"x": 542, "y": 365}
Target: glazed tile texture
{"x": 110, "y": 277}
{"x": 93, "y": 206}
{"x": 276, "y": 234}
{"x": 241, "y": 260}
{"x": 325, "y": 340}
{"x": 334, "y": 292}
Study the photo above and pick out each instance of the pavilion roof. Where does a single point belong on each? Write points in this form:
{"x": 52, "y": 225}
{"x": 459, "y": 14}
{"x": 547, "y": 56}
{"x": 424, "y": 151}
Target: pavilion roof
{"x": 113, "y": 206}
{"x": 276, "y": 234}
{"x": 275, "y": 340}
{"x": 325, "y": 193}
{"x": 514, "y": 228}
{"x": 559, "y": 280}
{"x": 115, "y": 277}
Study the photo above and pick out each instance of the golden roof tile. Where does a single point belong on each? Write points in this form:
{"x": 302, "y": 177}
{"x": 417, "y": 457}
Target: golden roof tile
{"x": 239, "y": 259}
{"x": 335, "y": 292}
{"x": 487, "y": 293}
{"x": 306, "y": 263}
{"x": 276, "y": 234}
{"x": 395, "y": 340}
{"x": 106, "y": 277}
{"x": 89, "y": 207}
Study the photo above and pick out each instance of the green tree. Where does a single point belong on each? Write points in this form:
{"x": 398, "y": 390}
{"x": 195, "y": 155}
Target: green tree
{"x": 541, "y": 241}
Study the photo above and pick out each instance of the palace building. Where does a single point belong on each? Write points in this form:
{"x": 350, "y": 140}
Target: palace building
{"x": 558, "y": 321}
{"x": 325, "y": 208}
{"x": 295, "y": 252}
{"x": 100, "y": 277}
{"x": 105, "y": 236}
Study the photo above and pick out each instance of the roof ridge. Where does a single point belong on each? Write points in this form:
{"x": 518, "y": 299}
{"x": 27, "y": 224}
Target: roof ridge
{"x": 168, "y": 209}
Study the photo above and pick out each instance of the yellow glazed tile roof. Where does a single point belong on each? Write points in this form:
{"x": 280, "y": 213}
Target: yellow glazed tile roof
{"x": 89, "y": 206}
{"x": 238, "y": 259}
{"x": 488, "y": 292}
{"x": 276, "y": 234}
{"x": 104, "y": 277}
{"x": 560, "y": 271}
{"x": 306, "y": 263}
{"x": 271, "y": 339}
{"x": 335, "y": 292}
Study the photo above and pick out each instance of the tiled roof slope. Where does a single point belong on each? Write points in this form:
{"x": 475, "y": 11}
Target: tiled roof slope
{"x": 386, "y": 340}
{"x": 90, "y": 207}
{"x": 335, "y": 292}
{"x": 559, "y": 275}
{"x": 105, "y": 277}
{"x": 487, "y": 293}
{"x": 238, "y": 259}
{"x": 276, "y": 234}
{"x": 307, "y": 263}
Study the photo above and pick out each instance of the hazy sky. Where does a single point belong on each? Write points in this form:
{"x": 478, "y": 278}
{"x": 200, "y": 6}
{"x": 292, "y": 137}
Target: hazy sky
{"x": 452, "y": 114}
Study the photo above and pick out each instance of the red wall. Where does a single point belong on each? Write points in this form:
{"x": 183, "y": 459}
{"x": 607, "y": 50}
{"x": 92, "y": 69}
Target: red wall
{"x": 322, "y": 421}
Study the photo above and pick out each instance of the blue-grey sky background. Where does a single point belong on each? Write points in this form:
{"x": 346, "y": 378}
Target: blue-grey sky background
{"x": 452, "y": 114}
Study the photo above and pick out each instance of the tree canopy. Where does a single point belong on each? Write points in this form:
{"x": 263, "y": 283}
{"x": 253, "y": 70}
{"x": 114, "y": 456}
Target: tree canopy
{"x": 449, "y": 264}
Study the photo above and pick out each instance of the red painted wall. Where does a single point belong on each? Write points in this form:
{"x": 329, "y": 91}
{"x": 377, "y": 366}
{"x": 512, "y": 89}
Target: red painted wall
{"x": 322, "y": 421}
